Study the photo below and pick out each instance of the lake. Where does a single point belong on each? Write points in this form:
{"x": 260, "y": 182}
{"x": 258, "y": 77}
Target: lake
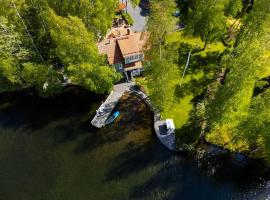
{"x": 49, "y": 151}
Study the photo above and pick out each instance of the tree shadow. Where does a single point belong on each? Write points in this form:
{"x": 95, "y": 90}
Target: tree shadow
{"x": 167, "y": 178}
{"x": 214, "y": 178}
{"x": 145, "y": 10}
{"x": 28, "y": 110}
{"x": 137, "y": 157}
{"x": 134, "y": 115}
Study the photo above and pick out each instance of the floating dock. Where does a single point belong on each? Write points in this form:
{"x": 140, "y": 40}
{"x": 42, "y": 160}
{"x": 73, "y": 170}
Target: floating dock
{"x": 104, "y": 111}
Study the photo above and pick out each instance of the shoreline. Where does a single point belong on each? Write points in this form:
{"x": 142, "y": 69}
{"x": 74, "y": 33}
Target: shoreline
{"x": 210, "y": 150}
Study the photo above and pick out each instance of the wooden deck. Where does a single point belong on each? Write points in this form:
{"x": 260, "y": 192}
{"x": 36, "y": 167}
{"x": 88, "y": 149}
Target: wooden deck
{"x": 107, "y": 107}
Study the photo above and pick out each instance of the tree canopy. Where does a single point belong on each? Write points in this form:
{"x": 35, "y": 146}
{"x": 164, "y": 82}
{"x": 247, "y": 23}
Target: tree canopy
{"x": 207, "y": 19}
{"x": 161, "y": 71}
{"x": 234, "y": 103}
{"x": 42, "y": 42}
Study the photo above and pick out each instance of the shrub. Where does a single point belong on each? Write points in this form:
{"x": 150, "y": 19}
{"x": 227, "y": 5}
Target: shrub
{"x": 128, "y": 18}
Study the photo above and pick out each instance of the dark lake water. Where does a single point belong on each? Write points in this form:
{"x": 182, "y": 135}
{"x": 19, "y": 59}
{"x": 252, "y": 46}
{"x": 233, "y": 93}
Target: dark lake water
{"x": 49, "y": 151}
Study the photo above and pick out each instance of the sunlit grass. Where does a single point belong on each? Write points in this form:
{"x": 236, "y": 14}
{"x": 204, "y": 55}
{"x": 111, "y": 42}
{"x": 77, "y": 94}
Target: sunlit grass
{"x": 195, "y": 42}
{"x": 196, "y": 78}
{"x": 180, "y": 110}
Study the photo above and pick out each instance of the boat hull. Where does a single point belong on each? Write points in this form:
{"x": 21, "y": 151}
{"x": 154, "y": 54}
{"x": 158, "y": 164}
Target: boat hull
{"x": 112, "y": 118}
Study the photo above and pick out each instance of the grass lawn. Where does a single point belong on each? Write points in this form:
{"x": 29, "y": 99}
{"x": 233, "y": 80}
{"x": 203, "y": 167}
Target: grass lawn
{"x": 179, "y": 38}
{"x": 182, "y": 107}
{"x": 198, "y": 75}
{"x": 180, "y": 111}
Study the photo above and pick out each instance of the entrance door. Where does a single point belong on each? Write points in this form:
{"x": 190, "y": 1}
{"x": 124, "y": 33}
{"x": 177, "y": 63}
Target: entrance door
{"x": 130, "y": 77}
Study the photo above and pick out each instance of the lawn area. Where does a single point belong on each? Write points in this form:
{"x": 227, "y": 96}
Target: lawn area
{"x": 195, "y": 42}
{"x": 182, "y": 107}
{"x": 199, "y": 74}
{"x": 180, "y": 111}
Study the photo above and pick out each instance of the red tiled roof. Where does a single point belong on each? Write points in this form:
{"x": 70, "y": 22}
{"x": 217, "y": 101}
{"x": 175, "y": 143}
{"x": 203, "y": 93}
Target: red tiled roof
{"x": 111, "y": 48}
{"x": 128, "y": 45}
{"x": 118, "y": 47}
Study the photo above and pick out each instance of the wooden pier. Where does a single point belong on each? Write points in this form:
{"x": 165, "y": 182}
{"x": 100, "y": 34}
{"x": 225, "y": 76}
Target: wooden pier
{"x": 107, "y": 107}
{"x": 104, "y": 111}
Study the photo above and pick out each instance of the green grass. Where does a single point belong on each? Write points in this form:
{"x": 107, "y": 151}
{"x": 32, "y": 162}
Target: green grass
{"x": 195, "y": 42}
{"x": 200, "y": 72}
{"x": 180, "y": 111}
{"x": 199, "y": 75}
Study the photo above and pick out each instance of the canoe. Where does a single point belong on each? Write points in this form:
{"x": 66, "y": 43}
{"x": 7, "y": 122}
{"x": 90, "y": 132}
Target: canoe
{"x": 112, "y": 117}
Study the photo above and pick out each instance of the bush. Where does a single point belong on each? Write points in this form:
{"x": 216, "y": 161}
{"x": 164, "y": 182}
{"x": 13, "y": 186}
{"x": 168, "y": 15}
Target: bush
{"x": 128, "y": 18}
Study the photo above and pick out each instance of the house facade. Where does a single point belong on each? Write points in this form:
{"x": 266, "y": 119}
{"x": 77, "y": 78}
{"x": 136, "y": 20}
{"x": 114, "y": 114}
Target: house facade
{"x": 124, "y": 50}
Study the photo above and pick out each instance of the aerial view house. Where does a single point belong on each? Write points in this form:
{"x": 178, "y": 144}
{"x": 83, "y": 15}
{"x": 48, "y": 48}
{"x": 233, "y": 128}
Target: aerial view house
{"x": 124, "y": 50}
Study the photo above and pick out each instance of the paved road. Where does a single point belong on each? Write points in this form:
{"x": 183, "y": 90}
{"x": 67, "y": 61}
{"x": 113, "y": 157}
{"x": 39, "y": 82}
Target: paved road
{"x": 138, "y": 15}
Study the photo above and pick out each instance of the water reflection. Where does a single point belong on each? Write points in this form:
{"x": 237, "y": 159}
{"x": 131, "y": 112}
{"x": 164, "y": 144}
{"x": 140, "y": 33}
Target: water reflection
{"x": 48, "y": 150}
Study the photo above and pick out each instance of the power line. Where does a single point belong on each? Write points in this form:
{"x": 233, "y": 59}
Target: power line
{"x": 28, "y": 33}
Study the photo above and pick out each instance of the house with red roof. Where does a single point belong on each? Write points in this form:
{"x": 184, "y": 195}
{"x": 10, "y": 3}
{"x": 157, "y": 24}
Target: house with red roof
{"x": 124, "y": 50}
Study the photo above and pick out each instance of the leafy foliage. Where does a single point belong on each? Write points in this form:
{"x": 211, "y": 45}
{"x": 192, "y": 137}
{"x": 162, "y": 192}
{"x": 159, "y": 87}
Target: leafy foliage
{"x": 162, "y": 73}
{"x": 233, "y": 8}
{"x": 207, "y": 20}
{"x": 38, "y": 46}
{"x": 96, "y": 14}
{"x": 234, "y": 104}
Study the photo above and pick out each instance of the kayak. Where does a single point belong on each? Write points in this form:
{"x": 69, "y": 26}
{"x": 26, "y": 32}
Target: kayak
{"x": 112, "y": 117}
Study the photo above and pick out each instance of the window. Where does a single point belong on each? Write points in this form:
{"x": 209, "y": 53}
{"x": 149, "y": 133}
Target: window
{"x": 132, "y": 58}
{"x": 118, "y": 66}
{"x": 135, "y": 57}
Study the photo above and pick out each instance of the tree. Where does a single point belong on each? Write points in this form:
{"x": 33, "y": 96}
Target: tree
{"x": 247, "y": 63}
{"x": 77, "y": 50}
{"x": 163, "y": 76}
{"x": 96, "y": 14}
{"x": 12, "y": 53}
{"x": 233, "y": 8}
{"x": 161, "y": 72}
{"x": 207, "y": 20}
{"x": 160, "y": 22}
{"x": 98, "y": 79}
{"x": 74, "y": 44}
{"x": 255, "y": 127}
{"x": 37, "y": 46}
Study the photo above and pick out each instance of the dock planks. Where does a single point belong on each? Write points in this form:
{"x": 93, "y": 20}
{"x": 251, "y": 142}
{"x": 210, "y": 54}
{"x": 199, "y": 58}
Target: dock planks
{"x": 107, "y": 107}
